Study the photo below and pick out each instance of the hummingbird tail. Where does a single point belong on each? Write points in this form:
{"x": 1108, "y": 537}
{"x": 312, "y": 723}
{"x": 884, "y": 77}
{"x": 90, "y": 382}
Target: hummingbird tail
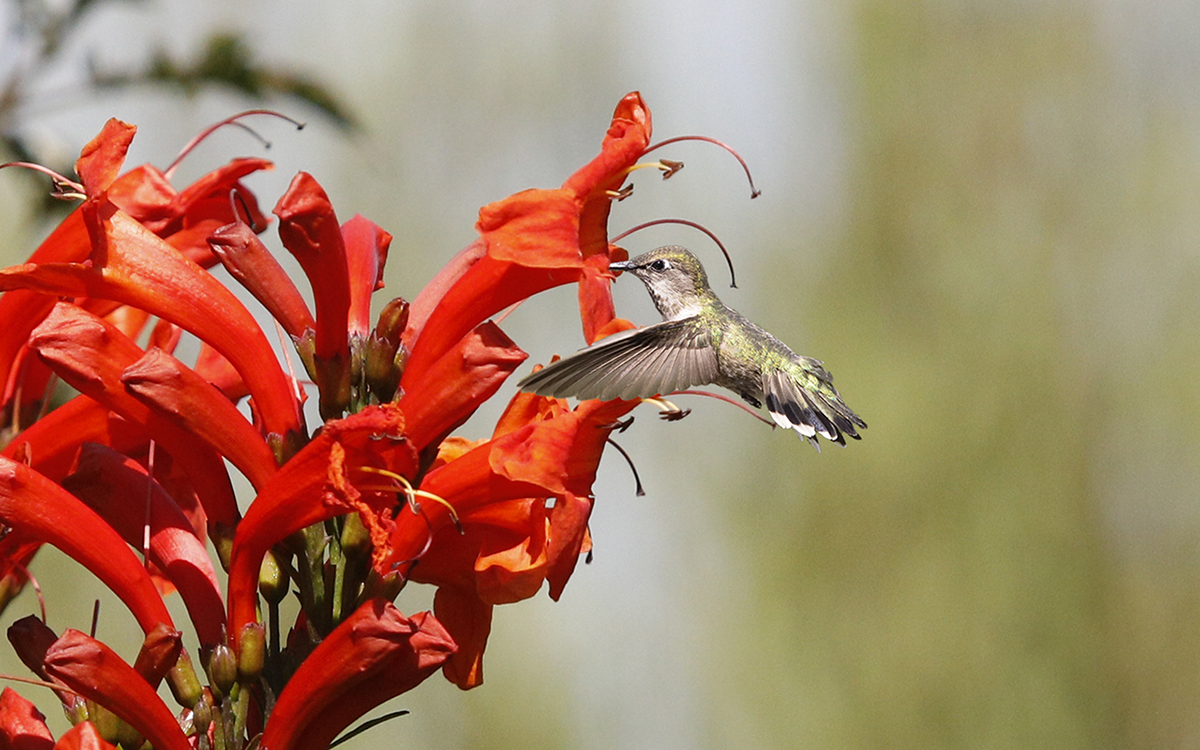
{"x": 813, "y": 410}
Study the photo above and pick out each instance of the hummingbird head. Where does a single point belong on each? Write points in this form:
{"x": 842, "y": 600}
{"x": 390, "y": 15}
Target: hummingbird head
{"x": 675, "y": 279}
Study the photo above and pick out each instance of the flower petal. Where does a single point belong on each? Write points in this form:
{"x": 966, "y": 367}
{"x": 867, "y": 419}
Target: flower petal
{"x": 470, "y": 620}
{"x": 313, "y": 486}
{"x": 133, "y": 266}
{"x": 366, "y": 254}
{"x": 122, "y": 492}
{"x": 49, "y": 445}
{"x": 250, "y": 262}
{"x": 22, "y": 726}
{"x": 90, "y": 355}
{"x": 100, "y": 161}
{"x": 456, "y": 384}
{"x": 95, "y": 671}
{"x": 309, "y": 230}
{"x": 36, "y": 506}
{"x": 179, "y": 395}
{"x": 375, "y": 654}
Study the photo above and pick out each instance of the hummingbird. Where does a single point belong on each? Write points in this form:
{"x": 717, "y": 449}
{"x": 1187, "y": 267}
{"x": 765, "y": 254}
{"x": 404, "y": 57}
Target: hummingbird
{"x": 700, "y": 341}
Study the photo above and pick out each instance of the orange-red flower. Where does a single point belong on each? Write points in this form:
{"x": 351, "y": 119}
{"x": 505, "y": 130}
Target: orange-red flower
{"x": 380, "y": 495}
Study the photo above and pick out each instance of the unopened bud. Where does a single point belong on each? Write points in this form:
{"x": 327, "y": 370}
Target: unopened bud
{"x": 252, "y": 652}
{"x": 356, "y": 537}
{"x": 222, "y": 669}
{"x": 273, "y": 579}
{"x": 184, "y": 683}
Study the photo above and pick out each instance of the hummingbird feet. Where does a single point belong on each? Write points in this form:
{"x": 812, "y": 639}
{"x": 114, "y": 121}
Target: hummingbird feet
{"x": 751, "y": 400}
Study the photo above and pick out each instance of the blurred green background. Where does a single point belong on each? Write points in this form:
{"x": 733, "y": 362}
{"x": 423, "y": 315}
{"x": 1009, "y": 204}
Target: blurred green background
{"x": 981, "y": 215}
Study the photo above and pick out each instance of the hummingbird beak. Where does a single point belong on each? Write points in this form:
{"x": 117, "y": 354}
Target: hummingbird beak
{"x": 622, "y": 265}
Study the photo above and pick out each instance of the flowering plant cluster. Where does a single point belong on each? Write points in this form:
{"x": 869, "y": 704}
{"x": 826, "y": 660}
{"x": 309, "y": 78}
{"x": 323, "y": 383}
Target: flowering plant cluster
{"x": 344, "y": 515}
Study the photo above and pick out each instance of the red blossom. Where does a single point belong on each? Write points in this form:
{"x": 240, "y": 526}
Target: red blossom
{"x": 250, "y": 262}
{"x": 366, "y": 254}
{"x": 92, "y": 356}
{"x": 309, "y": 230}
{"x": 96, "y": 672}
{"x": 42, "y": 510}
{"x": 531, "y": 242}
{"x": 147, "y": 196}
{"x": 122, "y": 492}
{"x": 22, "y": 726}
{"x": 318, "y": 483}
{"x": 370, "y": 501}
{"x": 499, "y": 490}
{"x": 375, "y": 654}
{"x": 181, "y": 396}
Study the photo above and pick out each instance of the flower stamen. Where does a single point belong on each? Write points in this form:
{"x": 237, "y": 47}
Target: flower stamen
{"x": 666, "y": 166}
{"x": 721, "y": 397}
{"x": 669, "y": 411}
{"x": 686, "y": 223}
{"x": 620, "y": 195}
{"x": 232, "y": 120}
{"x": 412, "y": 493}
{"x": 64, "y": 189}
{"x": 637, "y": 481}
{"x": 754, "y": 191}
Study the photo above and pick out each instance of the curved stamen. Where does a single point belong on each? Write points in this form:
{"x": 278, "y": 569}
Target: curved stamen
{"x": 412, "y": 493}
{"x": 686, "y": 223}
{"x": 637, "y": 481}
{"x": 237, "y": 199}
{"x": 666, "y": 166}
{"x": 754, "y": 191}
{"x": 64, "y": 189}
{"x": 668, "y": 411}
{"x": 231, "y": 120}
{"x": 727, "y": 400}
{"x": 365, "y": 726}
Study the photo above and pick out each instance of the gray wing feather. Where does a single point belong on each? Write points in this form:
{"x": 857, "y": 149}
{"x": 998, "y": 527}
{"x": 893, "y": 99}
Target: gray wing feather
{"x": 640, "y": 363}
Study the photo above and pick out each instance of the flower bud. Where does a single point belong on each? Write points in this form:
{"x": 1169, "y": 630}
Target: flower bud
{"x": 222, "y": 669}
{"x": 252, "y": 651}
{"x": 273, "y": 579}
{"x": 185, "y": 685}
{"x": 356, "y": 537}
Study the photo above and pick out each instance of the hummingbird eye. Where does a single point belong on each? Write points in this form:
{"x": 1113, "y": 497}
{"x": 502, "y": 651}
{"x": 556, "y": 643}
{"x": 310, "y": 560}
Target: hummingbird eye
{"x": 659, "y": 265}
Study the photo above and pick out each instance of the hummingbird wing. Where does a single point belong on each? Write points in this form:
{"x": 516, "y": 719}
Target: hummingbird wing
{"x": 805, "y": 400}
{"x": 638, "y": 363}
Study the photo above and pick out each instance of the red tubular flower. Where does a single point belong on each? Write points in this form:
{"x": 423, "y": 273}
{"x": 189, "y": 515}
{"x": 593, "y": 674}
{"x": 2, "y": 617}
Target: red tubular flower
{"x": 176, "y": 392}
{"x": 310, "y": 232}
{"x": 496, "y": 486}
{"x": 93, "y": 670}
{"x": 91, "y": 355}
{"x": 374, "y": 500}
{"x": 318, "y": 483}
{"x": 35, "y": 506}
{"x": 146, "y": 195}
{"x": 83, "y": 736}
{"x": 50, "y": 444}
{"x": 22, "y": 726}
{"x": 132, "y": 266}
{"x": 250, "y": 262}
{"x": 366, "y": 254}
{"x": 532, "y": 241}
{"x": 122, "y": 492}
{"x": 455, "y": 385}
{"x": 375, "y": 654}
